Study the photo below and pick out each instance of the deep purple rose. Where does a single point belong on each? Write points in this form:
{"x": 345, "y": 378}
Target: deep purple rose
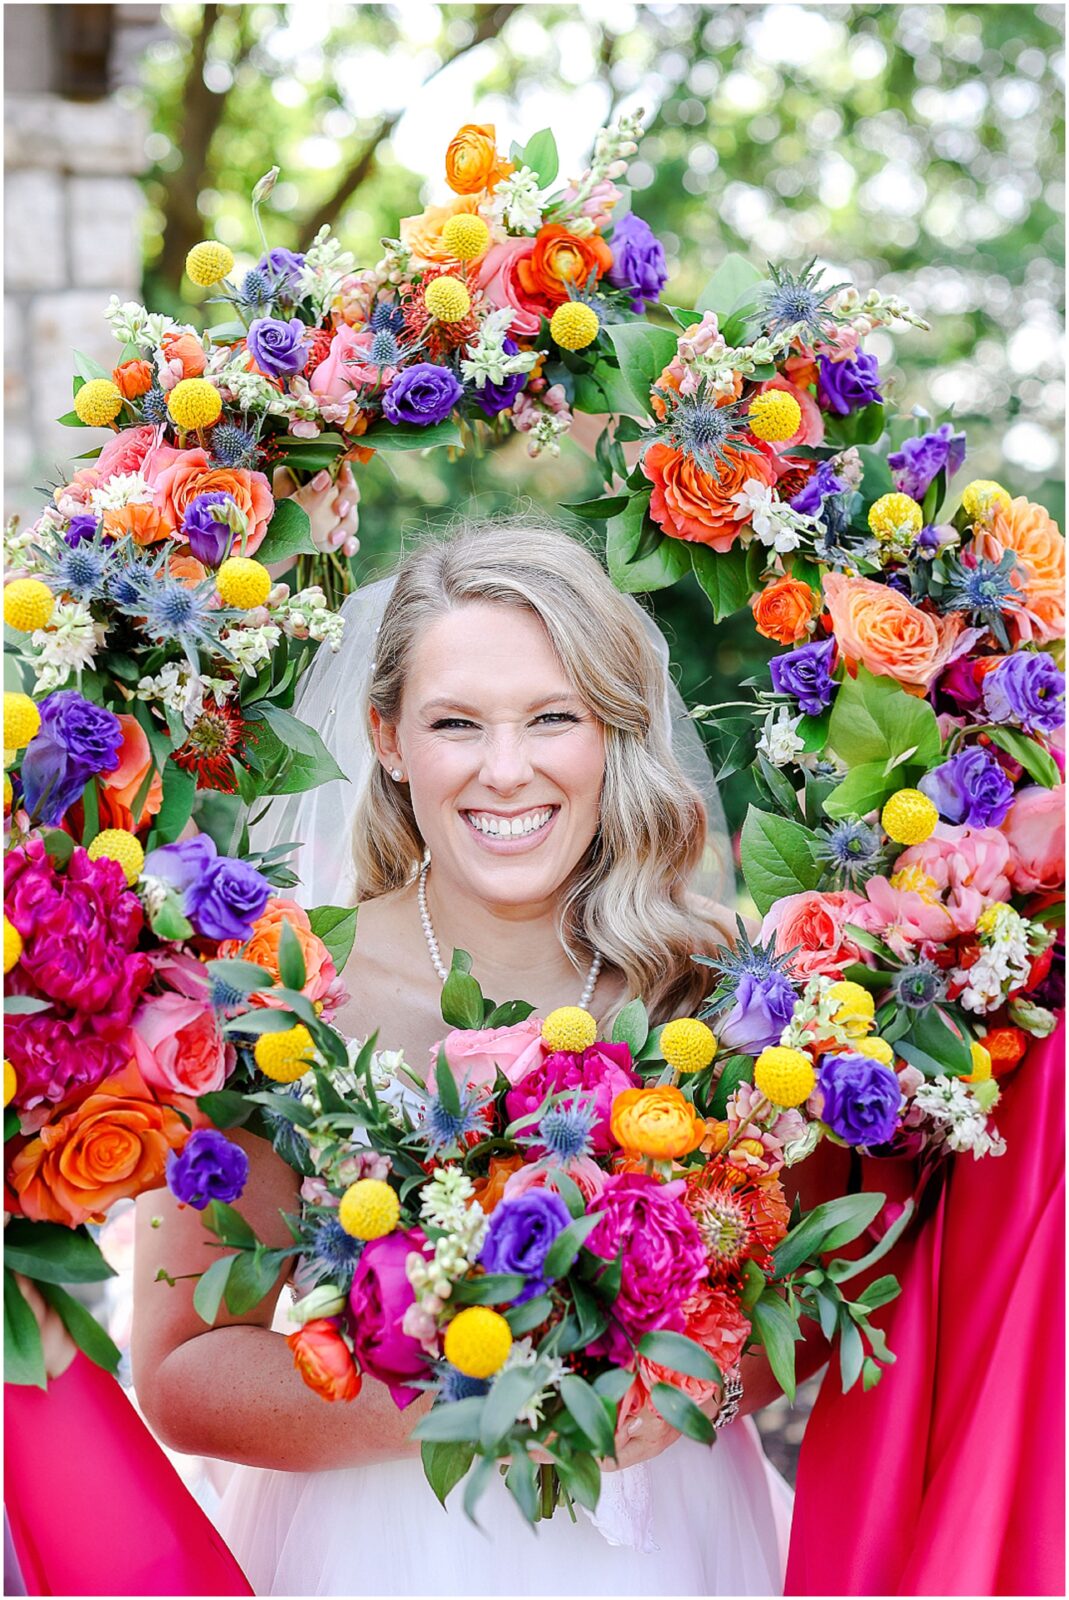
{"x": 222, "y": 897}
{"x": 664, "y": 1258}
{"x": 283, "y": 267}
{"x": 209, "y": 537}
{"x": 421, "y": 395}
{"x": 762, "y": 1009}
{"x": 971, "y": 787}
{"x": 848, "y": 385}
{"x": 277, "y": 347}
{"x": 916, "y": 465}
{"x": 77, "y": 740}
{"x": 519, "y": 1236}
{"x": 812, "y": 495}
{"x": 637, "y": 261}
{"x": 1028, "y": 690}
{"x": 495, "y": 397}
{"x": 81, "y": 529}
{"x": 379, "y": 1297}
{"x": 603, "y": 1071}
{"x": 209, "y": 1167}
{"x": 805, "y": 674}
{"x": 861, "y": 1098}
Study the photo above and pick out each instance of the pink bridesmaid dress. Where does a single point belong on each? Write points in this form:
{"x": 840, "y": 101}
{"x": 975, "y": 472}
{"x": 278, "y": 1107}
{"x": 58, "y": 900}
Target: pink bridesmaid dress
{"x": 949, "y": 1477}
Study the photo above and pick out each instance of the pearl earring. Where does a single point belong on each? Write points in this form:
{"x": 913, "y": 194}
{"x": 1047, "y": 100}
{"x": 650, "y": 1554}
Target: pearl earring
{"x": 396, "y": 774}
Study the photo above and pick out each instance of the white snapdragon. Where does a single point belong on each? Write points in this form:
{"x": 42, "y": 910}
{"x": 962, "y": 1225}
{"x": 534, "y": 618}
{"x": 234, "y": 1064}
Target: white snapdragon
{"x": 959, "y": 1120}
{"x": 24, "y": 547}
{"x": 774, "y": 522}
{"x": 251, "y": 390}
{"x": 516, "y": 203}
{"x": 326, "y": 262}
{"x": 124, "y": 489}
{"x": 306, "y": 615}
{"x": 1004, "y": 962}
{"x": 251, "y": 647}
{"x": 131, "y": 323}
{"x": 68, "y": 644}
{"x": 447, "y": 1204}
{"x": 873, "y": 310}
{"x": 487, "y": 360}
{"x": 779, "y": 739}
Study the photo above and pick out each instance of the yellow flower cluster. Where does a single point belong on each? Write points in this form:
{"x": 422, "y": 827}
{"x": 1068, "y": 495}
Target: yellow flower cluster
{"x": 574, "y": 325}
{"x": 369, "y": 1209}
{"x": 27, "y": 605}
{"x": 12, "y": 946}
{"x": 447, "y": 299}
{"x": 286, "y": 1056}
{"x": 855, "y": 1009}
{"x": 117, "y": 844}
{"x": 243, "y": 583}
{"x": 465, "y": 237}
{"x": 194, "y": 403}
{"x": 22, "y": 720}
{"x": 11, "y": 1082}
{"x": 909, "y": 817}
{"x": 569, "y": 1028}
{"x": 687, "y": 1044}
{"x": 477, "y": 1342}
{"x": 981, "y": 497}
{"x": 774, "y": 416}
{"x": 208, "y": 263}
{"x": 893, "y": 515}
{"x": 784, "y": 1076}
{"x": 98, "y": 402}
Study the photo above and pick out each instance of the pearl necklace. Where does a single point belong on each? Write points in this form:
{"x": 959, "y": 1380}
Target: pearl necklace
{"x": 436, "y": 955}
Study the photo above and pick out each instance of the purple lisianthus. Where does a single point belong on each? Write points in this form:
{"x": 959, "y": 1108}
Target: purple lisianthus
{"x": 848, "y": 385}
{"x": 762, "y": 1008}
{"x": 495, "y": 397}
{"x": 77, "y": 740}
{"x": 283, "y": 267}
{"x": 209, "y": 1167}
{"x": 81, "y": 529}
{"x": 278, "y": 347}
{"x": 221, "y": 896}
{"x": 638, "y": 263}
{"x": 521, "y": 1231}
{"x": 812, "y": 495}
{"x": 1028, "y": 690}
{"x": 421, "y": 395}
{"x": 209, "y": 536}
{"x": 970, "y": 788}
{"x": 916, "y": 465}
{"x": 861, "y": 1098}
{"x": 805, "y": 674}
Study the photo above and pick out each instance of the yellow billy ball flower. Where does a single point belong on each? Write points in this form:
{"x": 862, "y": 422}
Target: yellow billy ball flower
{"x": 11, "y": 1082}
{"x": 894, "y": 516}
{"x": 876, "y": 1049}
{"x": 243, "y": 583}
{"x": 98, "y": 402}
{"x": 285, "y": 1056}
{"x": 447, "y": 299}
{"x": 28, "y": 604}
{"x": 369, "y": 1209}
{"x": 981, "y": 1063}
{"x": 21, "y": 721}
{"x": 854, "y": 1007}
{"x": 194, "y": 403}
{"x": 980, "y": 498}
{"x": 118, "y": 844}
{"x": 477, "y": 1342}
{"x": 784, "y": 1076}
{"x": 774, "y": 415}
{"x": 12, "y": 945}
{"x": 909, "y": 817}
{"x": 574, "y": 325}
{"x": 208, "y": 263}
{"x": 465, "y": 237}
{"x": 569, "y": 1028}
{"x": 687, "y": 1044}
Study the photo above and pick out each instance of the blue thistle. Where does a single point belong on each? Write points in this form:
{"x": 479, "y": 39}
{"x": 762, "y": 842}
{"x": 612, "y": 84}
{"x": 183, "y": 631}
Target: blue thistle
{"x": 919, "y": 986}
{"x": 746, "y": 959}
{"x": 224, "y": 996}
{"x": 154, "y": 406}
{"x": 125, "y": 587}
{"x": 984, "y": 592}
{"x": 850, "y": 852}
{"x": 704, "y": 431}
{"x": 169, "y": 612}
{"x": 389, "y": 319}
{"x": 257, "y": 288}
{"x": 385, "y": 350}
{"x": 796, "y": 301}
{"x": 442, "y": 1127}
{"x": 456, "y": 1385}
{"x": 286, "y": 1139}
{"x": 233, "y": 446}
{"x": 566, "y": 1128}
{"x": 79, "y": 570}
{"x": 336, "y": 1252}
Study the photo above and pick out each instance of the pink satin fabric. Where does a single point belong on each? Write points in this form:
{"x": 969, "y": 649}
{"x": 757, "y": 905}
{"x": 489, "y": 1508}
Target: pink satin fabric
{"x": 949, "y": 1477}
{"x": 94, "y": 1505}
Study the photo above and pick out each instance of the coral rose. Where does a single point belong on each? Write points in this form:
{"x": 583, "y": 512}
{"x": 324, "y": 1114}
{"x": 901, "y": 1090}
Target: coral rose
{"x": 784, "y": 611}
{"x": 186, "y": 348}
{"x": 144, "y": 524}
{"x": 121, "y": 786}
{"x": 499, "y": 280}
{"x": 324, "y": 1360}
{"x": 561, "y": 260}
{"x": 191, "y": 474}
{"x": 886, "y": 633}
{"x": 178, "y": 1047}
{"x": 1035, "y": 539}
{"x": 713, "y": 1320}
{"x": 133, "y": 378}
{"x": 423, "y": 233}
{"x": 1035, "y": 831}
{"x": 659, "y": 1123}
{"x": 112, "y": 1146}
{"x": 583, "y": 1171}
{"x": 691, "y": 504}
{"x": 813, "y": 926}
{"x": 125, "y": 452}
{"x": 321, "y": 981}
{"x": 471, "y": 159}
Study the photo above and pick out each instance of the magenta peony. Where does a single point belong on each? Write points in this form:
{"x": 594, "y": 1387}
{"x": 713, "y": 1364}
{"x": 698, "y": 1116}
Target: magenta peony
{"x": 605, "y": 1070}
{"x": 378, "y": 1300}
{"x": 663, "y": 1256}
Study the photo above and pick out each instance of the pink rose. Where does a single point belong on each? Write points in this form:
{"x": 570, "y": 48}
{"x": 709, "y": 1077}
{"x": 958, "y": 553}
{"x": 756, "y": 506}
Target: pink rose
{"x": 970, "y": 868}
{"x": 499, "y": 282}
{"x": 582, "y": 1170}
{"x": 1035, "y": 831}
{"x": 178, "y": 1046}
{"x": 903, "y": 918}
{"x": 378, "y": 1300}
{"x": 475, "y": 1054}
{"x": 603, "y": 1071}
{"x": 815, "y": 923}
{"x": 125, "y": 452}
{"x": 811, "y": 427}
{"x": 341, "y": 370}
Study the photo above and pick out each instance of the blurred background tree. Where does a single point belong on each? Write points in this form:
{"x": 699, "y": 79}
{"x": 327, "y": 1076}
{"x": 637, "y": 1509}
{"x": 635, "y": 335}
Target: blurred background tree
{"x": 919, "y": 146}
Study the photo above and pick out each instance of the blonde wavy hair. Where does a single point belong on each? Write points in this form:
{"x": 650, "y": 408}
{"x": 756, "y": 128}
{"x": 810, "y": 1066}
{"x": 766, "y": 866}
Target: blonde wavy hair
{"x": 628, "y": 897}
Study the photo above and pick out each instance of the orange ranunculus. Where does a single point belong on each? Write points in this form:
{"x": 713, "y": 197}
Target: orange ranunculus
{"x": 423, "y": 233}
{"x": 784, "y": 611}
{"x": 561, "y": 260}
{"x": 120, "y": 788}
{"x": 1006, "y": 1047}
{"x": 186, "y": 348}
{"x": 887, "y": 633}
{"x": 133, "y": 378}
{"x": 112, "y": 1146}
{"x": 1037, "y": 542}
{"x": 471, "y": 159}
{"x": 324, "y": 1360}
{"x": 693, "y": 505}
{"x": 490, "y": 1191}
{"x": 263, "y": 943}
{"x": 661, "y": 1124}
{"x": 190, "y": 473}
{"x": 143, "y": 523}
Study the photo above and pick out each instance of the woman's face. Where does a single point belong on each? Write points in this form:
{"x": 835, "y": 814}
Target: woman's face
{"x": 504, "y": 761}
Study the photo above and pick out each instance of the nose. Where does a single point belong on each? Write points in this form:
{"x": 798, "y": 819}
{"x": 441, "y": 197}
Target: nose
{"x": 506, "y": 764}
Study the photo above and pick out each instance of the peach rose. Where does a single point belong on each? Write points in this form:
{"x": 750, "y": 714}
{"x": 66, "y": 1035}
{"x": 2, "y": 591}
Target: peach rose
{"x": 475, "y": 1054}
{"x": 1035, "y": 539}
{"x": 324, "y": 1360}
{"x": 133, "y": 378}
{"x": 143, "y": 523}
{"x": 178, "y": 1047}
{"x": 813, "y": 925}
{"x": 471, "y": 159}
{"x": 187, "y": 349}
{"x": 423, "y": 233}
{"x": 191, "y": 474}
{"x": 112, "y": 1146}
{"x": 1035, "y": 832}
{"x": 121, "y": 786}
{"x": 691, "y": 504}
{"x": 886, "y": 633}
{"x": 583, "y": 1171}
{"x": 499, "y": 280}
{"x": 712, "y": 1318}
{"x": 321, "y": 981}
{"x": 661, "y": 1124}
{"x": 125, "y": 452}
{"x": 561, "y": 260}
{"x": 785, "y": 610}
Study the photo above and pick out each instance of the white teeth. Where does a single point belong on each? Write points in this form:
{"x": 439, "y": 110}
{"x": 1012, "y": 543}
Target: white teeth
{"x": 509, "y": 827}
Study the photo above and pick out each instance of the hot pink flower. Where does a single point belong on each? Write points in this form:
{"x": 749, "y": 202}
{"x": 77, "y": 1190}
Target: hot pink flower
{"x": 475, "y": 1054}
{"x": 605, "y": 1070}
{"x": 816, "y": 923}
{"x": 379, "y": 1297}
{"x": 811, "y": 429}
{"x": 1035, "y": 832}
{"x": 663, "y": 1256}
{"x": 500, "y": 283}
{"x": 970, "y": 868}
{"x": 178, "y": 1046}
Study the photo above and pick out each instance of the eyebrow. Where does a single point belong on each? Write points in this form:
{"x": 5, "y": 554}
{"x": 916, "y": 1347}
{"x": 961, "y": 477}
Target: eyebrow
{"x": 566, "y": 698}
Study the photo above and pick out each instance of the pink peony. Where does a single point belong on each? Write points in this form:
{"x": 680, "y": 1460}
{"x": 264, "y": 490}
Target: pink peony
{"x": 57, "y": 1059}
{"x": 125, "y": 452}
{"x": 605, "y": 1070}
{"x": 903, "y": 918}
{"x": 379, "y": 1297}
{"x": 178, "y": 1046}
{"x": 969, "y": 866}
{"x": 500, "y": 283}
{"x": 341, "y": 370}
{"x": 475, "y": 1054}
{"x": 663, "y": 1256}
{"x": 815, "y": 922}
{"x": 582, "y": 1170}
{"x": 1035, "y": 832}
{"x": 811, "y": 427}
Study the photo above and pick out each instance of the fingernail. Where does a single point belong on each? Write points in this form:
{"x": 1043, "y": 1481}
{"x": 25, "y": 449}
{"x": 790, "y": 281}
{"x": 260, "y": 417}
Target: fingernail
{"x": 321, "y": 480}
{"x": 343, "y": 508}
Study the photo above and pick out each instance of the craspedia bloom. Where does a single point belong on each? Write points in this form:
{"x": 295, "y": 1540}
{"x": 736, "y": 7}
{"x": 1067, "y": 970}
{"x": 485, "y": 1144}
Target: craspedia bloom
{"x": 981, "y": 1063}
{"x": 447, "y": 299}
{"x": 909, "y": 817}
{"x": 285, "y": 1056}
{"x": 784, "y": 1076}
{"x": 477, "y": 1342}
{"x": 774, "y": 416}
{"x": 12, "y": 945}
{"x": 11, "y": 1082}
{"x": 879, "y": 1050}
{"x": 117, "y": 844}
{"x": 208, "y": 263}
{"x": 574, "y": 325}
{"x": 687, "y": 1044}
{"x": 466, "y": 237}
{"x": 369, "y": 1209}
{"x": 243, "y": 583}
{"x": 21, "y": 721}
{"x": 98, "y": 402}
{"x": 981, "y": 498}
{"x": 855, "y": 1008}
{"x": 28, "y": 604}
{"x": 569, "y": 1028}
{"x": 194, "y": 403}
{"x": 895, "y": 516}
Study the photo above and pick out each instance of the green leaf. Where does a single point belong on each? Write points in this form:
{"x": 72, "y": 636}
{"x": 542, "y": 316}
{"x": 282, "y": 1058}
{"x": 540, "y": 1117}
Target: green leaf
{"x": 71, "y": 419}
{"x": 478, "y": 1481}
{"x": 540, "y": 154}
{"x": 875, "y": 720}
{"x": 227, "y": 332}
{"x": 680, "y": 1412}
{"x": 336, "y": 926}
{"x": 825, "y": 1228}
{"x": 251, "y": 1278}
{"x": 50, "y": 1253}
{"x": 510, "y": 1393}
{"x": 228, "y": 1225}
{"x": 1037, "y": 762}
{"x": 268, "y": 1021}
{"x": 632, "y": 1027}
{"x": 402, "y": 436}
{"x": 675, "y": 1350}
{"x": 599, "y": 510}
{"x": 462, "y": 999}
{"x": 723, "y": 577}
{"x": 777, "y": 858}
{"x": 851, "y": 1354}
{"x": 24, "y": 1356}
{"x": 568, "y": 1190}
{"x": 243, "y": 975}
{"x": 640, "y": 557}
{"x": 225, "y": 1107}
{"x": 736, "y": 1070}
{"x": 59, "y": 845}
{"x": 590, "y": 1413}
{"x": 88, "y": 368}
{"x": 581, "y": 1476}
{"x": 83, "y": 1328}
{"x": 613, "y": 1384}
{"x": 24, "y": 1005}
{"x": 777, "y": 1329}
{"x": 864, "y": 788}
{"x": 734, "y": 279}
{"x": 522, "y": 1319}
{"x": 521, "y": 1480}
{"x": 566, "y": 1246}
{"x": 444, "y": 1464}
{"x": 446, "y": 1085}
{"x": 289, "y": 533}
{"x": 452, "y": 1423}
{"x": 880, "y": 1293}
{"x": 508, "y": 1014}
{"x": 643, "y": 352}
{"x": 179, "y": 792}
{"x": 933, "y": 1047}
{"x": 291, "y": 967}
{"x": 491, "y": 1289}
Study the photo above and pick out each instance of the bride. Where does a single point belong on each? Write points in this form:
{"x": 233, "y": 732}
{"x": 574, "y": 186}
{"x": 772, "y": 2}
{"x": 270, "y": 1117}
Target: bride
{"x": 520, "y": 722}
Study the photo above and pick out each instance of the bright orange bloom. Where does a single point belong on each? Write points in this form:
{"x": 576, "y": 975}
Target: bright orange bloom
{"x": 133, "y": 378}
{"x": 471, "y": 159}
{"x": 561, "y": 259}
{"x": 661, "y": 1124}
{"x": 784, "y": 610}
{"x": 324, "y": 1360}
{"x": 693, "y": 505}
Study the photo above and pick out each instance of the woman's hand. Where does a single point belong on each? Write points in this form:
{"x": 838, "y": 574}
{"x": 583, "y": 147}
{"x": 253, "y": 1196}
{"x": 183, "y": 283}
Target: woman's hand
{"x": 59, "y": 1348}
{"x": 646, "y": 1434}
{"x": 332, "y": 507}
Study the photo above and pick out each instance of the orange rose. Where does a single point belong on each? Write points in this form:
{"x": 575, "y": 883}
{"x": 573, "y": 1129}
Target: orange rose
{"x": 658, "y": 1123}
{"x": 691, "y": 504}
{"x": 262, "y": 948}
{"x": 490, "y": 1191}
{"x": 423, "y": 234}
{"x": 120, "y": 788}
{"x": 324, "y": 1360}
{"x": 144, "y": 524}
{"x": 187, "y": 569}
{"x": 191, "y": 474}
{"x": 886, "y": 633}
{"x": 784, "y": 611}
{"x": 471, "y": 159}
{"x": 186, "y": 348}
{"x": 560, "y": 259}
{"x": 1036, "y": 541}
{"x": 112, "y": 1146}
{"x": 133, "y": 378}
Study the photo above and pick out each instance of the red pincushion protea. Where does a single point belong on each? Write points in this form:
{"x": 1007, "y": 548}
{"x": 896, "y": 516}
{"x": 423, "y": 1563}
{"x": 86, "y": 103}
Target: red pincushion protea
{"x": 318, "y": 349}
{"x": 213, "y": 740}
{"x": 738, "y": 1222}
{"x": 437, "y": 340}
